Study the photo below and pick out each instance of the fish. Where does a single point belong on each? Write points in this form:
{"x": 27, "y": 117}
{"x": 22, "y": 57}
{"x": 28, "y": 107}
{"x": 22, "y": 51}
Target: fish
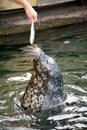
{"x": 32, "y": 34}
{"x": 45, "y": 88}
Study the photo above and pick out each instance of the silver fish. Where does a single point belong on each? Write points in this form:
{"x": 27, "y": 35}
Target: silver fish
{"x": 32, "y": 34}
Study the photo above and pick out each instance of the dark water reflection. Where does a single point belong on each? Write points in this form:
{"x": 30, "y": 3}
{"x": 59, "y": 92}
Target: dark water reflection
{"x": 69, "y": 48}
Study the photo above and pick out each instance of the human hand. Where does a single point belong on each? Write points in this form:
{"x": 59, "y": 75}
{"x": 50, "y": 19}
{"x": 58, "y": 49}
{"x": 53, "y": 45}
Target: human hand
{"x": 31, "y": 14}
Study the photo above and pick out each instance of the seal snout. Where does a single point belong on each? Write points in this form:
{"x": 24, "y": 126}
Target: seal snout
{"x": 33, "y": 51}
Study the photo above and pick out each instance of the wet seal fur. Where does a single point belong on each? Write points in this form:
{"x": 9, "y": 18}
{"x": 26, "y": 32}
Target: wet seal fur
{"x": 45, "y": 88}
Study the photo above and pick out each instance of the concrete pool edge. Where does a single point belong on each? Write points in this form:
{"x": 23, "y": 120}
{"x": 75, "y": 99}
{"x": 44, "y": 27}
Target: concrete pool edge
{"x": 15, "y": 21}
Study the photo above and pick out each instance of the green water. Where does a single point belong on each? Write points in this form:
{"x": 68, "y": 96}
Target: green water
{"x": 68, "y": 46}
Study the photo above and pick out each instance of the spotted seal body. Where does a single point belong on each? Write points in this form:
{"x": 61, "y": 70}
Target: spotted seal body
{"x": 45, "y": 87}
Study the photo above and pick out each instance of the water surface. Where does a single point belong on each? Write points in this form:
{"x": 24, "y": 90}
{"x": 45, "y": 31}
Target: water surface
{"x": 68, "y": 46}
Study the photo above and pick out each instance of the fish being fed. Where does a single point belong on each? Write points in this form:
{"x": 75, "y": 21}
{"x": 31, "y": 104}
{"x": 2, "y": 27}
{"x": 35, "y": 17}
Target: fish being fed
{"x": 45, "y": 88}
{"x": 32, "y": 34}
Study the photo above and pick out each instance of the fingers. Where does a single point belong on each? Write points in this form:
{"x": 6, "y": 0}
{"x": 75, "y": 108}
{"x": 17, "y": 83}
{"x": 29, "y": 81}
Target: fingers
{"x": 32, "y": 14}
{"x": 33, "y": 17}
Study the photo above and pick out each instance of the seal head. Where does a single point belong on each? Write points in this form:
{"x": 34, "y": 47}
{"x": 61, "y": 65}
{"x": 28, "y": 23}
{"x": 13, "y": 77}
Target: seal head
{"x": 45, "y": 87}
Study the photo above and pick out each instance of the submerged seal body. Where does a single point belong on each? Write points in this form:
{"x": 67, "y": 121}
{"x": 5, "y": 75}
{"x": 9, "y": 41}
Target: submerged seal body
{"x": 45, "y": 87}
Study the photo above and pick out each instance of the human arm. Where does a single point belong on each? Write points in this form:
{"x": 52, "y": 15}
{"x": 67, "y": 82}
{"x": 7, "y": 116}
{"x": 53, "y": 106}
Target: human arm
{"x": 30, "y": 12}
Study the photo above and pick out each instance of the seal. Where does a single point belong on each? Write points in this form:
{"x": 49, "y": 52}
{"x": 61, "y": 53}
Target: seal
{"x": 45, "y": 88}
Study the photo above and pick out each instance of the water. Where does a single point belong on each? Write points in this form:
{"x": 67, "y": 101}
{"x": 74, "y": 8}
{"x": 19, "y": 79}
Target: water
{"x": 69, "y": 48}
